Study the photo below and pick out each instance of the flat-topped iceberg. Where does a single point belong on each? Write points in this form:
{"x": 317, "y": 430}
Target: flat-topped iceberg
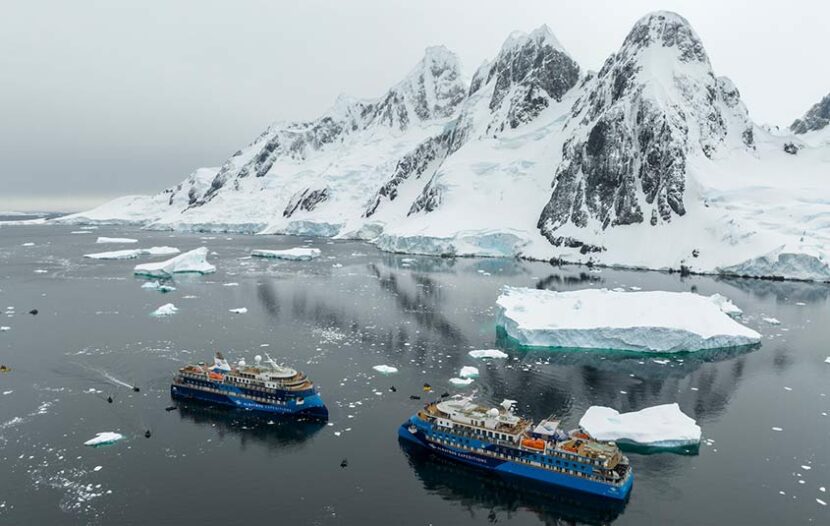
{"x": 659, "y": 426}
{"x": 134, "y": 253}
{"x": 291, "y": 254}
{"x": 654, "y": 321}
{"x": 104, "y": 438}
{"x": 385, "y": 369}
{"x": 116, "y": 240}
{"x": 468, "y": 372}
{"x": 194, "y": 261}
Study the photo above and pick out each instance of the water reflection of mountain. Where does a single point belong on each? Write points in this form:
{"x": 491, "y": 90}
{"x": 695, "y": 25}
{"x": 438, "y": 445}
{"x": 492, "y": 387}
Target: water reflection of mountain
{"x": 274, "y": 432}
{"x": 498, "y": 498}
{"x": 782, "y": 291}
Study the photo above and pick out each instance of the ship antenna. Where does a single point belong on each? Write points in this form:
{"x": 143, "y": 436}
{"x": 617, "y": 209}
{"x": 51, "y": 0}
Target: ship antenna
{"x": 271, "y": 361}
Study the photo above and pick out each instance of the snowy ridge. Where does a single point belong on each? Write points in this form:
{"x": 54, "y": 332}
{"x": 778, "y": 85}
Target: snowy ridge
{"x": 652, "y": 162}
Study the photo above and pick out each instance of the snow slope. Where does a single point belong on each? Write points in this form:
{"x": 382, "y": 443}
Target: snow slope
{"x": 654, "y": 321}
{"x": 652, "y": 162}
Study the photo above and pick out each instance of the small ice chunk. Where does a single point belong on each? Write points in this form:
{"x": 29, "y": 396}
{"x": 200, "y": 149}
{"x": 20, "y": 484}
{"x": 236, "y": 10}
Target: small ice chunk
{"x": 232, "y": 284}
{"x": 468, "y": 372}
{"x": 29, "y": 244}
{"x": 775, "y": 428}
{"x": 772, "y": 321}
{"x": 194, "y": 261}
{"x": 116, "y": 240}
{"x": 291, "y": 254}
{"x": 151, "y": 285}
{"x": 487, "y": 353}
{"x": 821, "y": 502}
{"x": 826, "y": 360}
{"x": 385, "y": 369}
{"x": 653, "y": 321}
{"x": 461, "y": 381}
{"x": 5, "y": 328}
{"x": 725, "y": 305}
{"x": 239, "y": 310}
{"x": 104, "y": 438}
{"x": 168, "y": 309}
{"x": 659, "y": 426}
{"x": 133, "y": 253}
{"x": 97, "y": 468}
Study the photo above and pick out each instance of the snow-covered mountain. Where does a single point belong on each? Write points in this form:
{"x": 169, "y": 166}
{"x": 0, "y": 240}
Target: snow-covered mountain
{"x": 651, "y": 162}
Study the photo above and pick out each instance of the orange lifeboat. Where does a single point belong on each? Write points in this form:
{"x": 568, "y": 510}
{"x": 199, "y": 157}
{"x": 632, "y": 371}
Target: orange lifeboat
{"x": 534, "y": 443}
{"x": 216, "y": 376}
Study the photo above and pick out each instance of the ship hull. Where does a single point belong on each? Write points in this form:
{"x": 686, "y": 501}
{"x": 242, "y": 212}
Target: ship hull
{"x": 517, "y": 469}
{"x": 312, "y": 406}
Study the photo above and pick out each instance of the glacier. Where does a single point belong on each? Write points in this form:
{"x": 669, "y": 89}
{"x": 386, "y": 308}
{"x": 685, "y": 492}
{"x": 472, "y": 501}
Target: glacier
{"x": 651, "y": 162}
{"x": 663, "y": 426}
{"x": 653, "y": 321}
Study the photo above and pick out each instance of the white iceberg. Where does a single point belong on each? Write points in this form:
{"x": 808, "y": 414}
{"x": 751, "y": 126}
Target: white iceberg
{"x": 194, "y": 261}
{"x": 468, "y": 372}
{"x": 772, "y": 321}
{"x": 5, "y": 328}
{"x": 104, "y": 438}
{"x": 659, "y": 426}
{"x": 151, "y": 285}
{"x": 240, "y": 310}
{"x": 116, "y": 240}
{"x": 134, "y": 253}
{"x": 168, "y": 309}
{"x": 487, "y": 353}
{"x": 461, "y": 381}
{"x": 291, "y": 254}
{"x": 654, "y": 321}
{"x": 385, "y": 369}
{"x": 725, "y": 305}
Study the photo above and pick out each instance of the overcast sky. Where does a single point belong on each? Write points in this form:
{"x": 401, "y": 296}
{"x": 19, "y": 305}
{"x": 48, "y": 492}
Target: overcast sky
{"x": 99, "y": 99}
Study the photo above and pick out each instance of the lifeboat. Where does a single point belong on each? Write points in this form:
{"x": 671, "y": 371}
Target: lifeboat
{"x": 216, "y": 376}
{"x": 534, "y": 443}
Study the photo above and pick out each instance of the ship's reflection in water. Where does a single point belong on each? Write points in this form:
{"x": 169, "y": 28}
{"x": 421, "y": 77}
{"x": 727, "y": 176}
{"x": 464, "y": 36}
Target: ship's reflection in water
{"x": 503, "y": 496}
{"x": 272, "y": 431}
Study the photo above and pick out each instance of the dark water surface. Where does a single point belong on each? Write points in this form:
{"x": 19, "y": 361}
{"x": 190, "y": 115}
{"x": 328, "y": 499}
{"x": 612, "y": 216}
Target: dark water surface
{"x": 335, "y": 318}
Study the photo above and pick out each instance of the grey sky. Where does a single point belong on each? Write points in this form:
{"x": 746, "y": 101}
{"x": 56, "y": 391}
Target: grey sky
{"x": 99, "y": 99}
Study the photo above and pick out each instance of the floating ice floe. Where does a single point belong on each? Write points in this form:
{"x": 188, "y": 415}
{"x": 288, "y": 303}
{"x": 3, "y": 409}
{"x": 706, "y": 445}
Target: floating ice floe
{"x": 772, "y": 321}
{"x": 28, "y": 244}
{"x": 193, "y": 262}
{"x": 291, "y": 254}
{"x": 240, "y": 310}
{"x": 659, "y": 426}
{"x": 826, "y": 360}
{"x": 653, "y": 321}
{"x": 487, "y": 353}
{"x": 461, "y": 381}
{"x": 116, "y": 240}
{"x": 168, "y": 309}
{"x": 4, "y": 328}
{"x": 385, "y": 369}
{"x": 104, "y": 438}
{"x": 134, "y": 253}
{"x": 468, "y": 372}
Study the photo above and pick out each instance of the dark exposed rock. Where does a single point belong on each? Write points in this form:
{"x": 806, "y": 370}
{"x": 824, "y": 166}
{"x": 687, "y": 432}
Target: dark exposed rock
{"x": 816, "y": 118}
{"x": 306, "y": 200}
{"x": 791, "y": 148}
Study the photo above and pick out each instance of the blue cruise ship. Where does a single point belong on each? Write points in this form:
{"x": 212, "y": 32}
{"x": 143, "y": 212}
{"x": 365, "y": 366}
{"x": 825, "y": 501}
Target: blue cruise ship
{"x": 265, "y": 387}
{"x": 497, "y": 440}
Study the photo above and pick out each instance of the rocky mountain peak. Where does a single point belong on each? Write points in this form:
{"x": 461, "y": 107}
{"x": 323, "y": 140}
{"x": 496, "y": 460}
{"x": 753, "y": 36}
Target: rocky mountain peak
{"x": 816, "y": 118}
{"x": 530, "y": 71}
{"x": 665, "y": 29}
{"x": 653, "y": 103}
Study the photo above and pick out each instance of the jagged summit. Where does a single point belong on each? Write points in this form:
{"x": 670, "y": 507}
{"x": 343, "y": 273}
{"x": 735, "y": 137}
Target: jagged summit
{"x": 816, "y": 118}
{"x": 669, "y": 30}
{"x": 654, "y": 102}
